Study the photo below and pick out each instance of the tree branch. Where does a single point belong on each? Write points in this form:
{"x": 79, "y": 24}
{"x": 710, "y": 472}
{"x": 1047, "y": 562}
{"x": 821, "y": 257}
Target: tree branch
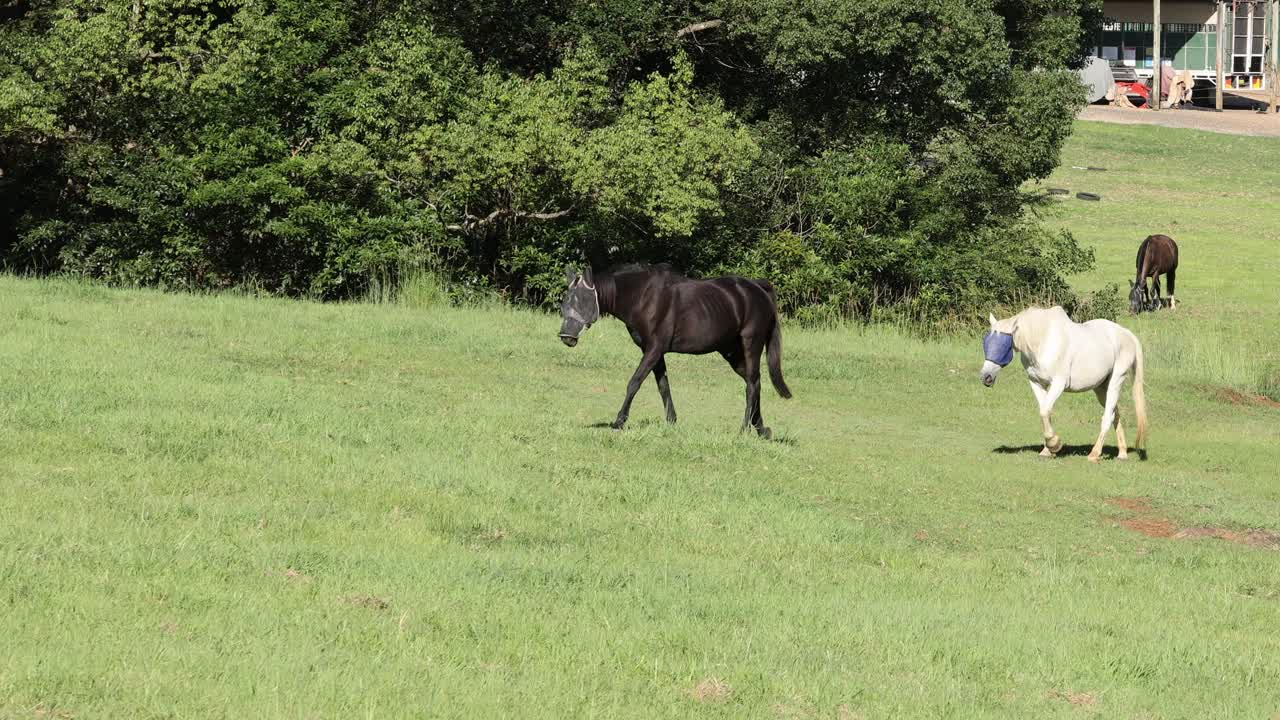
{"x": 698, "y": 27}
{"x": 472, "y": 223}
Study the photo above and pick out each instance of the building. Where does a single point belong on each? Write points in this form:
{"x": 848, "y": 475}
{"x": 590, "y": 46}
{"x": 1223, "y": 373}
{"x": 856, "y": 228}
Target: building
{"x": 1190, "y": 38}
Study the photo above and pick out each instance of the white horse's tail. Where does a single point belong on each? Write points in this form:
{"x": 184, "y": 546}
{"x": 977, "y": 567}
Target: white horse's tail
{"x": 1139, "y": 397}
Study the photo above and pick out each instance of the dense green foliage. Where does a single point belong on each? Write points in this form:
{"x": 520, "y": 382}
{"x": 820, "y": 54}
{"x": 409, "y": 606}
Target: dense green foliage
{"x": 858, "y": 153}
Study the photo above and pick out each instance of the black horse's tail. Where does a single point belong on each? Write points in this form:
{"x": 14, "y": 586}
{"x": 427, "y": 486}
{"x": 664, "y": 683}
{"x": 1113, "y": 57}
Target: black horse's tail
{"x": 775, "y": 351}
{"x": 775, "y": 358}
{"x": 775, "y": 342}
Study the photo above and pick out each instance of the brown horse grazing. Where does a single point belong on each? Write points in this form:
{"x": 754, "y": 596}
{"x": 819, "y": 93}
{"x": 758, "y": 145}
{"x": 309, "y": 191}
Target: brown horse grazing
{"x": 667, "y": 312}
{"x": 1157, "y": 255}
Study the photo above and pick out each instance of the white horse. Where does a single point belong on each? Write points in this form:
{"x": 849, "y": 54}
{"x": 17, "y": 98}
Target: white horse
{"x": 1062, "y": 355}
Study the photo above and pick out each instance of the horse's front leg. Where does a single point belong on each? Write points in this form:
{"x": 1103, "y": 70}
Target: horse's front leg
{"x": 650, "y": 359}
{"x": 1047, "y": 398}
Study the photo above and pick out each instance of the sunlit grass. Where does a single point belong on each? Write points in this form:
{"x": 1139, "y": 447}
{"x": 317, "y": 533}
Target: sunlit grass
{"x": 239, "y": 507}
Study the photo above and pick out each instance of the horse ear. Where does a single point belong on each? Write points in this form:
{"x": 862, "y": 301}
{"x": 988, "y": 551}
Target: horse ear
{"x": 991, "y": 317}
{"x": 588, "y": 276}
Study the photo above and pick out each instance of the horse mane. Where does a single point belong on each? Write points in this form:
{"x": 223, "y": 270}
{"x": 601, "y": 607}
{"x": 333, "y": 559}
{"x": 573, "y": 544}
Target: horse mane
{"x": 643, "y": 268}
{"x": 1032, "y": 325}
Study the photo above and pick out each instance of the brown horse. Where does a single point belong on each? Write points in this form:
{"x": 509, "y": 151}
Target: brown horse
{"x": 665, "y": 311}
{"x": 1157, "y": 255}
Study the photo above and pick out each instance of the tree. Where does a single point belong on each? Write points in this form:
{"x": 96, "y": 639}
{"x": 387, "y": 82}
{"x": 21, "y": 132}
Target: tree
{"x": 855, "y": 152}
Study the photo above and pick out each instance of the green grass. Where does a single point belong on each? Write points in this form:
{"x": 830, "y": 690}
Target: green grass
{"x": 237, "y": 507}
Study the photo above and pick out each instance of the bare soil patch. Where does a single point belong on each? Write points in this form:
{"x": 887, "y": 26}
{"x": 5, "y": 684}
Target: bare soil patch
{"x": 1152, "y": 525}
{"x": 1235, "y": 397}
{"x": 1253, "y": 538}
{"x": 712, "y": 690}
{"x": 1079, "y": 699}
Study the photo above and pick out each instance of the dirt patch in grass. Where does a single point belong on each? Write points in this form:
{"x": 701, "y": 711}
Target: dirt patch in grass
{"x": 712, "y": 690}
{"x": 1235, "y": 397}
{"x": 1253, "y": 538}
{"x": 1079, "y": 699}
{"x": 372, "y": 602}
{"x": 1152, "y": 527}
{"x": 1148, "y": 523}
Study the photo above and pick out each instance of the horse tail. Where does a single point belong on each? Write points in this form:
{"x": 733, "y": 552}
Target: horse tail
{"x": 1139, "y": 396}
{"x": 775, "y": 356}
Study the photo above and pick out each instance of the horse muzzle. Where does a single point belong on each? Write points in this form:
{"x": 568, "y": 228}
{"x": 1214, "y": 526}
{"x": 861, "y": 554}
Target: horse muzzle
{"x": 988, "y": 379}
{"x": 570, "y": 340}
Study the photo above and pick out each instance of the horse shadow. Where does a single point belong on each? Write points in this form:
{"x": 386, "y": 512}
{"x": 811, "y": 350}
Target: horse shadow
{"x": 631, "y": 424}
{"x": 1109, "y": 452}
{"x": 640, "y": 424}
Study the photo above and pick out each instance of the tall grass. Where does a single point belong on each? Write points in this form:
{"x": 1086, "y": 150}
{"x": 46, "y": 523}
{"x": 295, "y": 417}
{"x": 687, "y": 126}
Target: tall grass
{"x": 408, "y": 283}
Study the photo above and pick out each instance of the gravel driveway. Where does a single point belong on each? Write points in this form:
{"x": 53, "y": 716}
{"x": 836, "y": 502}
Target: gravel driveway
{"x": 1232, "y": 122}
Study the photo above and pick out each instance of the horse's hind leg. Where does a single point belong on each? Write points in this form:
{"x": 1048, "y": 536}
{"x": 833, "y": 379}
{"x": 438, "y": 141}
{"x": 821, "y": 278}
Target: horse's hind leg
{"x": 1172, "y": 276}
{"x": 746, "y": 362}
{"x": 1155, "y": 292}
{"x": 752, "y": 350}
{"x": 1101, "y": 393}
{"x": 664, "y": 388}
{"x": 1109, "y": 397}
{"x": 736, "y": 361}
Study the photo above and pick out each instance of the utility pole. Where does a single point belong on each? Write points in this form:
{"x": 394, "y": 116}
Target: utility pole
{"x": 1155, "y": 59}
{"x": 1222, "y": 52}
{"x": 1273, "y": 78}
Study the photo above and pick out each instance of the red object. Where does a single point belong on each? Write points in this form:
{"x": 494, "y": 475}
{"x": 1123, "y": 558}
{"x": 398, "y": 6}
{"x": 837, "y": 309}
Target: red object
{"x": 1137, "y": 93}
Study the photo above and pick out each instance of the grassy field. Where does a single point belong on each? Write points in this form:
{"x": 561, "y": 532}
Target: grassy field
{"x": 234, "y": 507}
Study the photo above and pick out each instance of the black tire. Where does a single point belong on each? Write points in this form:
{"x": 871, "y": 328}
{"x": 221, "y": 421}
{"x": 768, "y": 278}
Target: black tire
{"x": 1089, "y": 196}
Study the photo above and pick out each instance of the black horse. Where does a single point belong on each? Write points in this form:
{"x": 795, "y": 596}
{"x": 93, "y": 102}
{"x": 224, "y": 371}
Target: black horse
{"x": 1157, "y": 255}
{"x": 667, "y": 312}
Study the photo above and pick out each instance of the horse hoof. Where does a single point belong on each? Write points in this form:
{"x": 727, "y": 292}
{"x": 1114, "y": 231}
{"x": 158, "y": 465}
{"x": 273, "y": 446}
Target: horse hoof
{"x": 1054, "y": 444}
{"x": 1095, "y": 459}
{"x": 618, "y": 424}
{"x": 1045, "y": 453}
{"x": 1122, "y": 456}
{"x": 766, "y": 433}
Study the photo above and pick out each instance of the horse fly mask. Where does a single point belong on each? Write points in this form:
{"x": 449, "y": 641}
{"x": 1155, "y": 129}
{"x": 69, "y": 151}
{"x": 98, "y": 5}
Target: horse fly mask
{"x": 580, "y": 309}
{"x": 998, "y": 347}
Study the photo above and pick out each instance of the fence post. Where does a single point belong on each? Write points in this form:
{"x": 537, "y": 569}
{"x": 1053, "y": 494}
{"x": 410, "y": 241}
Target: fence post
{"x": 1155, "y": 59}
{"x": 1222, "y": 53}
{"x": 1273, "y": 78}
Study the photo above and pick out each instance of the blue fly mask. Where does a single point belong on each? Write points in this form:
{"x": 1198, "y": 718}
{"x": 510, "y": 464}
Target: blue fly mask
{"x": 999, "y": 347}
